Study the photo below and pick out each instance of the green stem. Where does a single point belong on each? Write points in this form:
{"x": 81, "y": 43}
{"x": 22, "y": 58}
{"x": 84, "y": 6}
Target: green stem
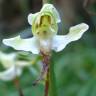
{"x": 17, "y": 85}
{"x": 47, "y": 1}
{"x": 47, "y": 83}
{"x": 52, "y": 80}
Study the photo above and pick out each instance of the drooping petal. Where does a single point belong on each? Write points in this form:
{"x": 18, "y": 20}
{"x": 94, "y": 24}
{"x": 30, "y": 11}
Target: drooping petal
{"x": 17, "y": 43}
{"x": 7, "y": 60}
{"x": 76, "y": 32}
{"x": 50, "y": 8}
{"x": 31, "y": 17}
{"x": 10, "y": 74}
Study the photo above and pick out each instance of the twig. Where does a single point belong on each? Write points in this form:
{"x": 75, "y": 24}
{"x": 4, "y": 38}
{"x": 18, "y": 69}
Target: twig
{"x": 17, "y": 85}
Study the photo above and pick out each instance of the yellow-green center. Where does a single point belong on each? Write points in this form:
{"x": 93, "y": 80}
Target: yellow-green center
{"x": 44, "y": 26}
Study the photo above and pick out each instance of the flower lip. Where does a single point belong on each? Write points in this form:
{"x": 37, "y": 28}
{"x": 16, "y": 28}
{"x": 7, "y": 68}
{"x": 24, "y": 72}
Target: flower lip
{"x": 44, "y": 26}
{"x": 41, "y": 17}
{"x": 50, "y": 8}
{"x": 46, "y": 9}
{"x": 43, "y": 20}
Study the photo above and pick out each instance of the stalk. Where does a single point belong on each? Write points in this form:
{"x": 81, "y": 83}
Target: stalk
{"x": 47, "y": 1}
{"x": 52, "y": 80}
{"x": 17, "y": 85}
{"x": 46, "y": 62}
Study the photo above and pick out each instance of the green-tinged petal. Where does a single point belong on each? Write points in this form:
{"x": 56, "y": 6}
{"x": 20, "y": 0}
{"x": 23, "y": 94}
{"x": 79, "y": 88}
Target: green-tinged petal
{"x": 31, "y": 17}
{"x": 7, "y": 60}
{"x": 22, "y": 63}
{"x": 10, "y": 74}
{"x": 59, "y": 42}
{"x": 51, "y": 9}
{"x": 76, "y": 32}
{"x": 17, "y": 43}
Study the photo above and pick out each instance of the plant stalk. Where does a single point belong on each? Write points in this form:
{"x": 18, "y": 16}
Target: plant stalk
{"x": 47, "y": 1}
{"x": 52, "y": 80}
{"x": 47, "y": 83}
{"x": 44, "y": 1}
{"x": 46, "y": 61}
{"x": 17, "y": 85}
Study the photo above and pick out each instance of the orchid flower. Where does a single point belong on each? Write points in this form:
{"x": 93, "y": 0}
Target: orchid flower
{"x": 44, "y": 29}
{"x": 13, "y": 67}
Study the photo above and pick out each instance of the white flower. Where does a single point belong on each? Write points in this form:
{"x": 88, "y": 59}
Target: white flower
{"x": 13, "y": 67}
{"x": 44, "y": 29}
{"x": 7, "y": 60}
{"x": 10, "y": 73}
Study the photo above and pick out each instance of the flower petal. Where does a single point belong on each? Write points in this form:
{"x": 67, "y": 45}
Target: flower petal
{"x": 17, "y": 43}
{"x": 76, "y": 32}
{"x": 59, "y": 42}
{"x": 7, "y": 60}
{"x": 10, "y": 73}
{"x": 50, "y": 8}
{"x": 31, "y": 17}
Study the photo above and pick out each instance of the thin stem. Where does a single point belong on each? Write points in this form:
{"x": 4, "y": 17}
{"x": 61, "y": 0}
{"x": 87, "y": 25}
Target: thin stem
{"x": 50, "y": 83}
{"x": 47, "y": 83}
{"x": 46, "y": 61}
{"x": 52, "y": 80}
{"x": 17, "y": 85}
{"x": 44, "y": 1}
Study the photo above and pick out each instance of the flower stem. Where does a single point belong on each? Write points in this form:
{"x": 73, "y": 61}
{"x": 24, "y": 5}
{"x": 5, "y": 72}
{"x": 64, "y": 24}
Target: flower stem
{"x": 47, "y": 83}
{"x": 45, "y": 1}
{"x": 46, "y": 61}
{"x": 17, "y": 85}
{"x": 52, "y": 80}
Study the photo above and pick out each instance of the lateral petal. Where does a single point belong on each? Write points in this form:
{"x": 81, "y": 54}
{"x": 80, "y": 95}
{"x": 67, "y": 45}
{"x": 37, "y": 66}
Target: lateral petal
{"x": 10, "y": 73}
{"x": 31, "y": 17}
{"x": 76, "y": 32}
{"x": 17, "y": 43}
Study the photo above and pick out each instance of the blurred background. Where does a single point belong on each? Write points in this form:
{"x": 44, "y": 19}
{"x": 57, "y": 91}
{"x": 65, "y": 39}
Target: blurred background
{"x": 75, "y": 66}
